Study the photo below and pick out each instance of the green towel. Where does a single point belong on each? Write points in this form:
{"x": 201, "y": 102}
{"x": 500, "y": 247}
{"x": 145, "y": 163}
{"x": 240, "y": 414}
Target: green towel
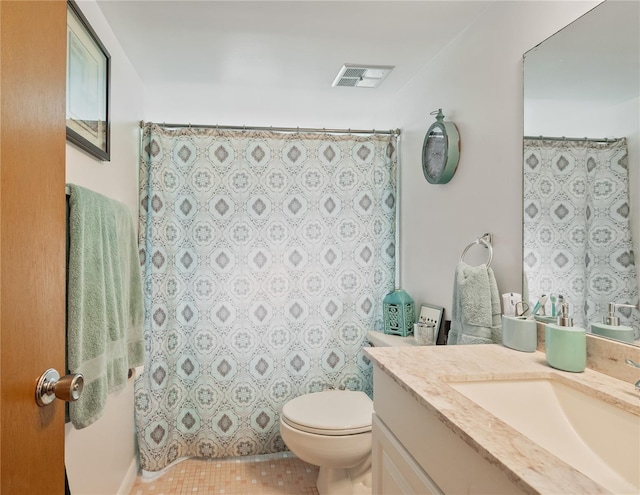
{"x": 104, "y": 300}
{"x": 475, "y": 313}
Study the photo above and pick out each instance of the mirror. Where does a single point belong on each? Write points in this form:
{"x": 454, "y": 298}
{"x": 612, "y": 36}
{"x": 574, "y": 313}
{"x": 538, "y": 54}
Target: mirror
{"x": 583, "y": 82}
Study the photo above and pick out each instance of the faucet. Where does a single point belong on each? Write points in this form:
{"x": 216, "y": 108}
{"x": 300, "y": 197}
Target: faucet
{"x": 635, "y": 365}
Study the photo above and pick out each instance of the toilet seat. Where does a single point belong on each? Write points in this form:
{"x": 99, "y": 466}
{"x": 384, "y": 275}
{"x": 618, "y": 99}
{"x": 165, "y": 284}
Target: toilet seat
{"x": 331, "y": 413}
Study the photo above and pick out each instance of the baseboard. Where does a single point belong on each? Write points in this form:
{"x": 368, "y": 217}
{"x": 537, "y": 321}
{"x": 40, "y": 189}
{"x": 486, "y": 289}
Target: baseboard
{"x": 130, "y": 478}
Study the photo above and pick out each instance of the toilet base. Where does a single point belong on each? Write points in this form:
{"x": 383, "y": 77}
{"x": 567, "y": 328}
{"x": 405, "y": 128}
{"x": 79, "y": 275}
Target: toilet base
{"x": 352, "y": 481}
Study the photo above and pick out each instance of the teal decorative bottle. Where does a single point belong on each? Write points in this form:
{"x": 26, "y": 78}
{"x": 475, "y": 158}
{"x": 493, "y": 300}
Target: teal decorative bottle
{"x": 399, "y": 313}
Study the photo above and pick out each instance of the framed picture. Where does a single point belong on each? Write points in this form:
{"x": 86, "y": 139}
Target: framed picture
{"x": 432, "y": 314}
{"x": 88, "y": 73}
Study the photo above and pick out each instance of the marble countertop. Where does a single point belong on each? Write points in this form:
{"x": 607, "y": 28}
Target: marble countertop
{"x": 425, "y": 371}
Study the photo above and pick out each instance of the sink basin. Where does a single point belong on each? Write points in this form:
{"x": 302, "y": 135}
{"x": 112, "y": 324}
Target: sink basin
{"x": 597, "y": 438}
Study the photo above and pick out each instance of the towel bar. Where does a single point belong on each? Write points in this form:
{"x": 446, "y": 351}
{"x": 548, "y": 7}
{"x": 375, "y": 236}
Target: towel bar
{"x": 485, "y": 241}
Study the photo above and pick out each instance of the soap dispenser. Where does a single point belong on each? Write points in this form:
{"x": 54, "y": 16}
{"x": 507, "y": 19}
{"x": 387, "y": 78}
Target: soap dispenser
{"x": 610, "y": 326}
{"x": 566, "y": 345}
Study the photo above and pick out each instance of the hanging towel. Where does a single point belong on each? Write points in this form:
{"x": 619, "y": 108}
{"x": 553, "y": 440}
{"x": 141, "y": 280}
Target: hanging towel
{"x": 104, "y": 300}
{"x": 475, "y": 315}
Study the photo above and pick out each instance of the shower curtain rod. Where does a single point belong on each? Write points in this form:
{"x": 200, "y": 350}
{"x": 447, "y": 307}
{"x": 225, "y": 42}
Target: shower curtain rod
{"x": 277, "y": 129}
{"x": 563, "y": 138}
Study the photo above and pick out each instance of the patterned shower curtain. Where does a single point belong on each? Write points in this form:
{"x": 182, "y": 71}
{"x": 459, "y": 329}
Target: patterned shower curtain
{"x": 266, "y": 259}
{"x": 577, "y": 236}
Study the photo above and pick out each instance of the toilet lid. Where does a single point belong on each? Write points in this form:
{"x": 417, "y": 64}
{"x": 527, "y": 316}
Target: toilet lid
{"x": 332, "y": 412}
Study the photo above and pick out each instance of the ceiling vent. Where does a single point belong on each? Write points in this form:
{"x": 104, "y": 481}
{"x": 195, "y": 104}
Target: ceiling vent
{"x": 362, "y": 76}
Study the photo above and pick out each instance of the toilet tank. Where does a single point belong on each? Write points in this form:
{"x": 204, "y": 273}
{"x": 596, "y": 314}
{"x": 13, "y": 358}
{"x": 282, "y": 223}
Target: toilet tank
{"x": 379, "y": 339}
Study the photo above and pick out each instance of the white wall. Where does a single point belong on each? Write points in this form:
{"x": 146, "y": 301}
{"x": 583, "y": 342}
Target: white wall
{"x": 101, "y": 459}
{"x": 477, "y": 81}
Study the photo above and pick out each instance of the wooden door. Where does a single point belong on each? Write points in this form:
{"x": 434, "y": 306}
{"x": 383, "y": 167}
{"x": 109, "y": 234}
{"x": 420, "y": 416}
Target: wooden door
{"x": 32, "y": 241}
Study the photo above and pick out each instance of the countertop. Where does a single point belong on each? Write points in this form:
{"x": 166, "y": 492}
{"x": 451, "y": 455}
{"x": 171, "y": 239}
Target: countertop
{"x": 424, "y": 372}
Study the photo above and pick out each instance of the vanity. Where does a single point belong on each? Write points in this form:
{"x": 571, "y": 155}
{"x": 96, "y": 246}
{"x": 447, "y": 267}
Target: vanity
{"x": 457, "y": 420}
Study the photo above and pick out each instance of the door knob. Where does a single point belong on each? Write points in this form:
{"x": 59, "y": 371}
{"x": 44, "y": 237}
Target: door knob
{"x": 50, "y": 386}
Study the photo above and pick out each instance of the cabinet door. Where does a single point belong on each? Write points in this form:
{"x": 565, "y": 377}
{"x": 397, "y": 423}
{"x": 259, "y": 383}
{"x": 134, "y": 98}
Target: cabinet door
{"x": 394, "y": 470}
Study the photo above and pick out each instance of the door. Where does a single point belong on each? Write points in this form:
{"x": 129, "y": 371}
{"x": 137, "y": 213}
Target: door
{"x": 32, "y": 242}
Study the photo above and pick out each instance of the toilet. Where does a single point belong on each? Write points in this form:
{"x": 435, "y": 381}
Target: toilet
{"x": 332, "y": 430}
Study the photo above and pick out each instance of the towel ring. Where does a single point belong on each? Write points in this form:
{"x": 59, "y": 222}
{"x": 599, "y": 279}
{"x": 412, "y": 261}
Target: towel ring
{"x": 483, "y": 242}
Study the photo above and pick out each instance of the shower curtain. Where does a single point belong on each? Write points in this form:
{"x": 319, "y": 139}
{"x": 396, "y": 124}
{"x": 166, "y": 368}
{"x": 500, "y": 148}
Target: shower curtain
{"x": 266, "y": 257}
{"x": 577, "y": 235}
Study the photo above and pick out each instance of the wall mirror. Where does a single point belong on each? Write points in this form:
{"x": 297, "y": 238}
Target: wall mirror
{"x": 581, "y": 180}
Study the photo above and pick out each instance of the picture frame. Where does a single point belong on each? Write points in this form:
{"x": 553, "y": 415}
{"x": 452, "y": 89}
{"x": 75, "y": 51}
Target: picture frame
{"x": 88, "y": 87}
{"x": 433, "y": 314}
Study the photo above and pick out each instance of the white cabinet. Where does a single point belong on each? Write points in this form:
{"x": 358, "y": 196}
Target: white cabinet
{"x": 414, "y": 452}
{"x": 394, "y": 470}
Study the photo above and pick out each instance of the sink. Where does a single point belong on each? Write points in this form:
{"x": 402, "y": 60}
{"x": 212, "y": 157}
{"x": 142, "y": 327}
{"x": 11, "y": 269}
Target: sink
{"x": 595, "y": 437}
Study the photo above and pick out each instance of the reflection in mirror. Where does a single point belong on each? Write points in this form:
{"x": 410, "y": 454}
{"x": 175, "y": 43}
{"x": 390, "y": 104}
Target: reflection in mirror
{"x": 581, "y": 189}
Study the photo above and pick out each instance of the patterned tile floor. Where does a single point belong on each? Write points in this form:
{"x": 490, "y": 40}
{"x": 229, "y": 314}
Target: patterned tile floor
{"x": 273, "y": 474}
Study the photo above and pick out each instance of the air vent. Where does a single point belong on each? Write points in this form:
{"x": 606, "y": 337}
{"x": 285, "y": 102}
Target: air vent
{"x": 357, "y": 73}
{"x": 347, "y": 81}
{"x": 362, "y": 76}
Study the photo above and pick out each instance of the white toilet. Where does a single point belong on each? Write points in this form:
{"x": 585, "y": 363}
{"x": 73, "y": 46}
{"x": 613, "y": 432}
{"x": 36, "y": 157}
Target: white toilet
{"x": 332, "y": 430}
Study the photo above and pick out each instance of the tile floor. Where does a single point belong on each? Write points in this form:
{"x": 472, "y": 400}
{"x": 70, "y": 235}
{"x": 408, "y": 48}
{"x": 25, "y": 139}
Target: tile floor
{"x": 272, "y": 474}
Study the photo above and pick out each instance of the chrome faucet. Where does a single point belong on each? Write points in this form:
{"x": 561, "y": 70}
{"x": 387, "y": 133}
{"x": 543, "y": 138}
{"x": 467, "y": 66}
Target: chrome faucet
{"x": 635, "y": 365}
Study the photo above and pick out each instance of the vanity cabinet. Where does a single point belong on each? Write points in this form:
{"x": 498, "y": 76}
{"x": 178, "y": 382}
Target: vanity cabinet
{"x": 415, "y": 453}
{"x": 394, "y": 470}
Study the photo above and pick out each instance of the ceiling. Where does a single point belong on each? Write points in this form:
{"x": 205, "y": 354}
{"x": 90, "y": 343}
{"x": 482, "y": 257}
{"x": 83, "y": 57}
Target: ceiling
{"x": 285, "y": 45}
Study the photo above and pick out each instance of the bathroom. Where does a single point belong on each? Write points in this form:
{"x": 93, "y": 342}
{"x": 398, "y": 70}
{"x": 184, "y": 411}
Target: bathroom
{"x": 476, "y": 77}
